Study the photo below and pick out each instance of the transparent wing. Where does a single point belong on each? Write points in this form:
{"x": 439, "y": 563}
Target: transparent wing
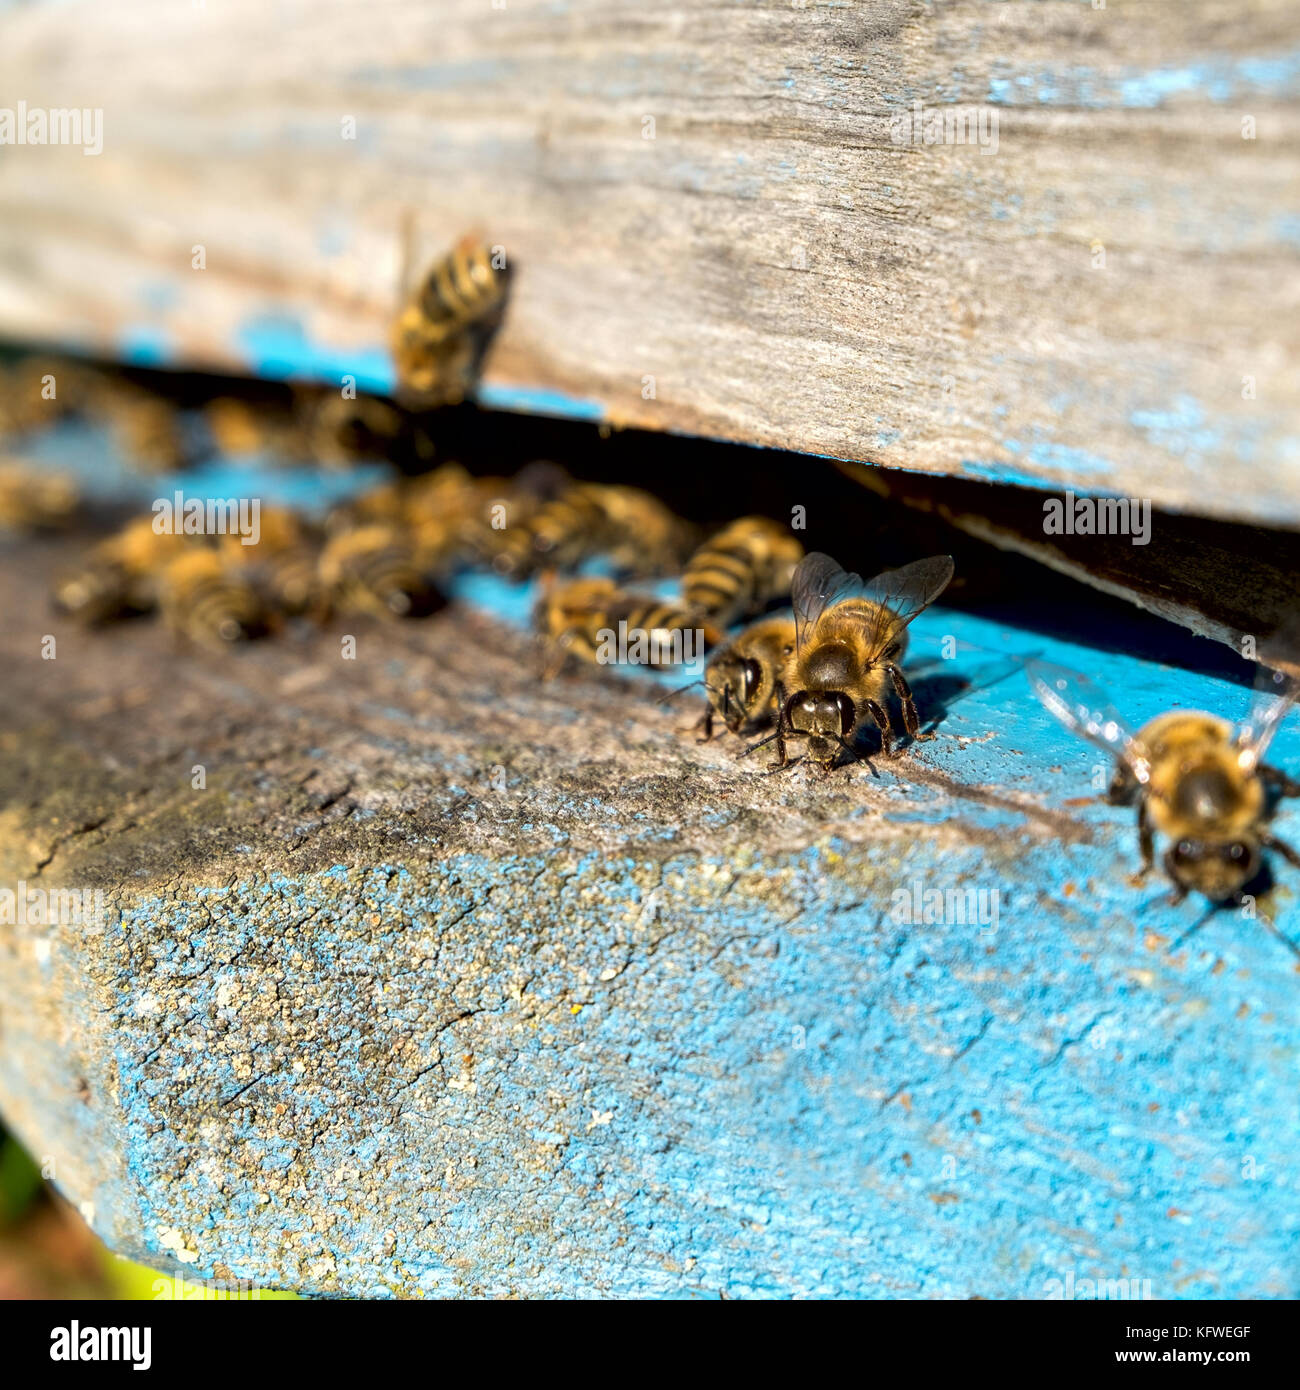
{"x": 896, "y": 596}
{"x": 1275, "y": 693}
{"x": 902, "y": 594}
{"x": 818, "y": 583}
{"x": 1084, "y": 708}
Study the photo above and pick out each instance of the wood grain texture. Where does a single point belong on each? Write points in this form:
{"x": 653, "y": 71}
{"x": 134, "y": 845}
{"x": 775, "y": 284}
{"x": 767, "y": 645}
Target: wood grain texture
{"x": 786, "y": 272}
{"x": 449, "y": 983}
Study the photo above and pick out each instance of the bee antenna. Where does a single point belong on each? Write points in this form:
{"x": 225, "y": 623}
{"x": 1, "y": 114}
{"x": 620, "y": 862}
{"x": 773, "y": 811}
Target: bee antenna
{"x": 681, "y": 690}
{"x": 762, "y": 743}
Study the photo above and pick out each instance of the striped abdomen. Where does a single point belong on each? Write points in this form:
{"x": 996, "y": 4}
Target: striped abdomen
{"x": 742, "y": 569}
{"x": 375, "y": 569}
{"x": 203, "y": 600}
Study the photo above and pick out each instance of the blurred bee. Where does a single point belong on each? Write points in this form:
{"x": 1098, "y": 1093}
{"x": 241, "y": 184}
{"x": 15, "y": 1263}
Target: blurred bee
{"x": 337, "y": 430}
{"x": 283, "y": 565}
{"x": 1196, "y": 780}
{"x": 121, "y": 576}
{"x": 375, "y": 569}
{"x": 147, "y": 430}
{"x": 849, "y": 640}
{"x": 203, "y": 598}
{"x": 741, "y": 680}
{"x": 596, "y": 621}
{"x": 643, "y": 539}
{"x": 36, "y": 499}
{"x": 240, "y": 426}
{"x": 440, "y": 333}
{"x": 635, "y": 531}
{"x": 742, "y": 569}
{"x": 560, "y": 534}
{"x": 36, "y": 392}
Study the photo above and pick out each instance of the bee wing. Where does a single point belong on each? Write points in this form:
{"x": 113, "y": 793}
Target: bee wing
{"x": 1083, "y": 707}
{"x": 902, "y": 594}
{"x": 1275, "y": 692}
{"x": 899, "y": 595}
{"x": 818, "y": 582}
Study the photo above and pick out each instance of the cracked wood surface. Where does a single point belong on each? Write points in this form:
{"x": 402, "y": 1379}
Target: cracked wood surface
{"x": 646, "y": 1020}
{"x": 1107, "y": 301}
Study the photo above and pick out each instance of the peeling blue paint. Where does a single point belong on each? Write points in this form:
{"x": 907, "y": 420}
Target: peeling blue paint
{"x": 278, "y": 346}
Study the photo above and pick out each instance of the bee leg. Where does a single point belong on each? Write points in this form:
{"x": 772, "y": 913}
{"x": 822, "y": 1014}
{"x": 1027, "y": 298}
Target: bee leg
{"x": 705, "y": 722}
{"x": 1278, "y": 780}
{"x": 881, "y": 721}
{"x": 1146, "y": 843}
{"x": 1281, "y": 847}
{"x": 904, "y": 693}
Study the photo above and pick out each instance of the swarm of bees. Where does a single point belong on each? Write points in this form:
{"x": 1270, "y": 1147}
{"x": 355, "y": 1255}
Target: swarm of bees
{"x": 818, "y": 658}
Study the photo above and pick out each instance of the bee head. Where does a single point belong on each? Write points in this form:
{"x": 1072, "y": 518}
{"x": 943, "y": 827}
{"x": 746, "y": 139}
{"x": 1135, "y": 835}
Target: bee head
{"x": 733, "y": 683}
{"x": 1219, "y": 869}
{"x": 827, "y": 717}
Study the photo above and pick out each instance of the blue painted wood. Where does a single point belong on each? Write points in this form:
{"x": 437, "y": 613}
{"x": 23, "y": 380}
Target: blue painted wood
{"x": 631, "y": 1018}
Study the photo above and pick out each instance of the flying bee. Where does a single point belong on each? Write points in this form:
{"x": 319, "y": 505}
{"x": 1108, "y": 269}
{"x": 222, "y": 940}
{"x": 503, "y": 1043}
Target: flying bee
{"x": 742, "y": 678}
{"x": 440, "y": 334}
{"x": 1197, "y": 781}
{"x": 742, "y": 569}
{"x": 203, "y": 598}
{"x": 849, "y": 640}
{"x": 120, "y": 578}
{"x": 596, "y": 621}
{"x": 376, "y": 569}
{"x": 35, "y": 499}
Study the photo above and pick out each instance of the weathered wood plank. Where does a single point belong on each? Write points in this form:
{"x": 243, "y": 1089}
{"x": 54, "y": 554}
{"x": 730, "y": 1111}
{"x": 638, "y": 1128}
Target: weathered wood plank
{"x": 783, "y": 270}
{"x": 365, "y": 1017}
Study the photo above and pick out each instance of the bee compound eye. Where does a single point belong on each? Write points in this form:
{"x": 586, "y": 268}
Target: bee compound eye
{"x": 749, "y": 677}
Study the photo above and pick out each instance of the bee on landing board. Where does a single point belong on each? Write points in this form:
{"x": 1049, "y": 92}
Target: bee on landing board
{"x": 203, "y": 598}
{"x": 120, "y": 576}
{"x": 34, "y": 498}
{"x": 439, "y": 334}
{"x": 596, "y": 621}
{"x": 376, "y": 569}
{"x": 741, "y": 680}
{"x": 742, "y": 569}
{"x": 849, "y": 639}
{"x": 1196, "y": 781}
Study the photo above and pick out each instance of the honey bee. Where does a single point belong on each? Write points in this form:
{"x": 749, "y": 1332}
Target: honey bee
{"x": 849, "y": 640}
{"x": 36, "y": 499}
{"x": 338, "y": 430}
{"x": 741, "y": 570}
{"x": 283, "y": 564}
{"x": 375, "y": 569}
{"x": 148, "y": 431}
{"x": 642, "y": 538}
{"x": 596, "y": 621}
{"x": 440, "y": 334}
{"x": 120, "y": 578}
{"x": 741, "y": 680}
{"x": 203, "y": 598}
{"x": 635, "y": 531}
{"x": 1196, "y": 781}
{"x": 560, "y": 534}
